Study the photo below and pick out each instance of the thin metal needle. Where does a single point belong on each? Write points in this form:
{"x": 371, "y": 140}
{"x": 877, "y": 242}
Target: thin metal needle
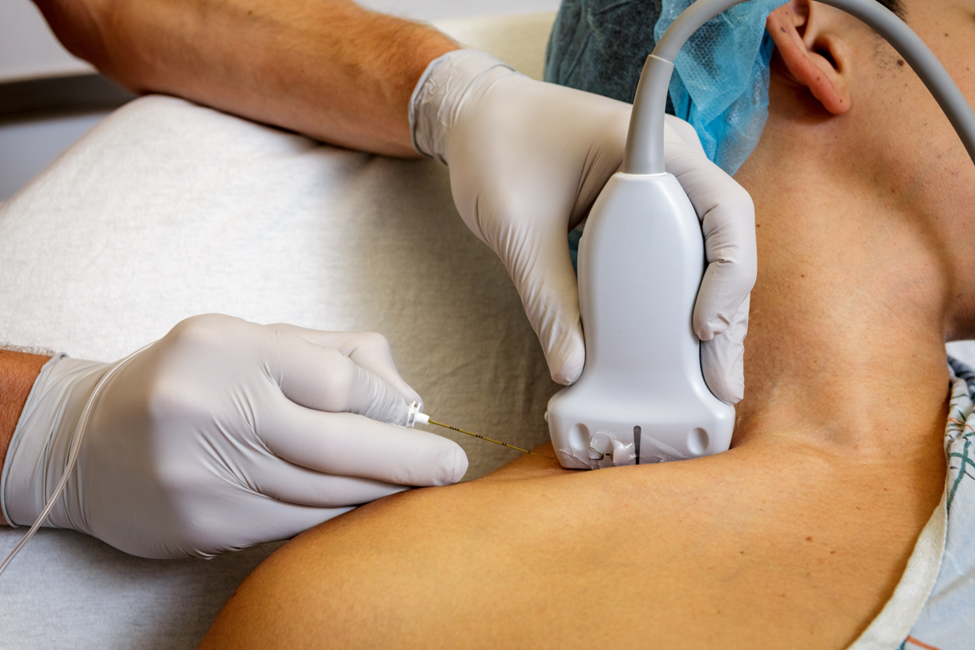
{"x": 497, "y": 442}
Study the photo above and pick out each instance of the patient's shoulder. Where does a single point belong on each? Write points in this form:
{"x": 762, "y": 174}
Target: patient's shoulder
{"x": 704, "y": 553}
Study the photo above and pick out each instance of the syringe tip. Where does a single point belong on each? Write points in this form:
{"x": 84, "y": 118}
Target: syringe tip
{"x": 413, "y": 416}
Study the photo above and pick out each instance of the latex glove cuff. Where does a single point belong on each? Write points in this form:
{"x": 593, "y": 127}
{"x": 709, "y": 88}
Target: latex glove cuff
{"x": 42, "y": 441}
{"x": 440, "y": 94}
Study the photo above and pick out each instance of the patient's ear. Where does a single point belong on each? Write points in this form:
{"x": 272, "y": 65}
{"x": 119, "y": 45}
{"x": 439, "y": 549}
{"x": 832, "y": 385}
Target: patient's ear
{"x": 814, "y": 56}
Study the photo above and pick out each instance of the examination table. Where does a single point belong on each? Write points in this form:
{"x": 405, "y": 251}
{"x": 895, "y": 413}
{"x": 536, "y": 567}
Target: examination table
{"x": 168, "y": 209}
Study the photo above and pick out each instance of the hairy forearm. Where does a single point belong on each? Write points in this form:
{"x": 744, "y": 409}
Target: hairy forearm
{"x": 18, "y": 370}
{"x": 326, "y": 68}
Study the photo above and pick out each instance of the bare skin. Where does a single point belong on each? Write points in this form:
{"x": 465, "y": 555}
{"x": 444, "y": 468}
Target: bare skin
{"x": 703, "y": 554}
{"x": 797, "y": 537}
{"x": 18, "y": 370}
{"x": 326, "y": 68}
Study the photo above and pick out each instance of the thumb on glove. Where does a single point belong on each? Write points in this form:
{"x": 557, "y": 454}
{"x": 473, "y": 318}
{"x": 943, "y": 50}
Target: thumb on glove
{"x": 722, "y": 358}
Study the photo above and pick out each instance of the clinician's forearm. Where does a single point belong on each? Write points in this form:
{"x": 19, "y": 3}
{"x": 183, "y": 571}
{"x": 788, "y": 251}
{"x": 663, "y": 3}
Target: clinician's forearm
{"x": 18, "y": 370}
{"x": 325, "y": 68}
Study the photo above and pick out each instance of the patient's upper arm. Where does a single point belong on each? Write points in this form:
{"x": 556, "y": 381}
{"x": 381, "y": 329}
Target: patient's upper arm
{"x": 383, "y": 574}
{"x": 697, "y": 554}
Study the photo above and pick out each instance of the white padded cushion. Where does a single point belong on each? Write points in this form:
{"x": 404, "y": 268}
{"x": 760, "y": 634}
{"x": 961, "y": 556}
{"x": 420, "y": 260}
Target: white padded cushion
{"x": 167, "y": 210}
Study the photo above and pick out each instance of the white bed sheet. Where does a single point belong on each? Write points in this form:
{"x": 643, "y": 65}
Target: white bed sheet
{"x": 168, "y": 209}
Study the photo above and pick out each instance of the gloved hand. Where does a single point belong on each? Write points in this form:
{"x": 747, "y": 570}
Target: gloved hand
{"x": 527, "y": 160}
{"x": 221, "y": 435}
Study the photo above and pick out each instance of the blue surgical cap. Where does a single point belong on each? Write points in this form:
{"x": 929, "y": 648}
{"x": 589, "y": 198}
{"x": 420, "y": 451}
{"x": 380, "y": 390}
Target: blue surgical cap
{"x": 720, "y": 82}
{"x": 721, "y": 78}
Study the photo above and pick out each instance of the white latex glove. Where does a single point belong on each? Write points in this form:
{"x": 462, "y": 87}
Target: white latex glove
{"x": 527, "y": 160}
{"x": 221, "y": 435}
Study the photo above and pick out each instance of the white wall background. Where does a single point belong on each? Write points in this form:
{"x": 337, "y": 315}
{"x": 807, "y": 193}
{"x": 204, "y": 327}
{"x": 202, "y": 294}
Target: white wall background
{"x": 28, "y": 49}
{"x": 27, "y": 46}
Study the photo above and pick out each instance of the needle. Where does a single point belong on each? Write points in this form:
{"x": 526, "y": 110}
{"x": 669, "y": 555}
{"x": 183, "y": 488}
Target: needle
{"x": 497, "y": 442}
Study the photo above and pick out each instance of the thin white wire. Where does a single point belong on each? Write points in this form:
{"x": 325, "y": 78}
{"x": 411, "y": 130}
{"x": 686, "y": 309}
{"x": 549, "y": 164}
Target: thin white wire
{"x": 79, "y": 434}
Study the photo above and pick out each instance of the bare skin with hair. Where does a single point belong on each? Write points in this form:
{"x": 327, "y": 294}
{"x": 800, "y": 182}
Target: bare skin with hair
{"x": 18, "y": 370}
{"x": 797, "y": 537}
{"x": 345, "y": 77}
{"x": 228, "y": 55}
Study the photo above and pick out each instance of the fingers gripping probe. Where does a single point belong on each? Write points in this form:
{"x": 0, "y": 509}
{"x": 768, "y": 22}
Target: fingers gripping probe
{"x": 415, "y": 417}
{"x": 642, "y": 395}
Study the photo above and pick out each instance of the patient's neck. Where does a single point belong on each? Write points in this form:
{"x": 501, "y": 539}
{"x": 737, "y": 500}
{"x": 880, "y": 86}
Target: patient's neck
{"x": 845, "y": 348}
